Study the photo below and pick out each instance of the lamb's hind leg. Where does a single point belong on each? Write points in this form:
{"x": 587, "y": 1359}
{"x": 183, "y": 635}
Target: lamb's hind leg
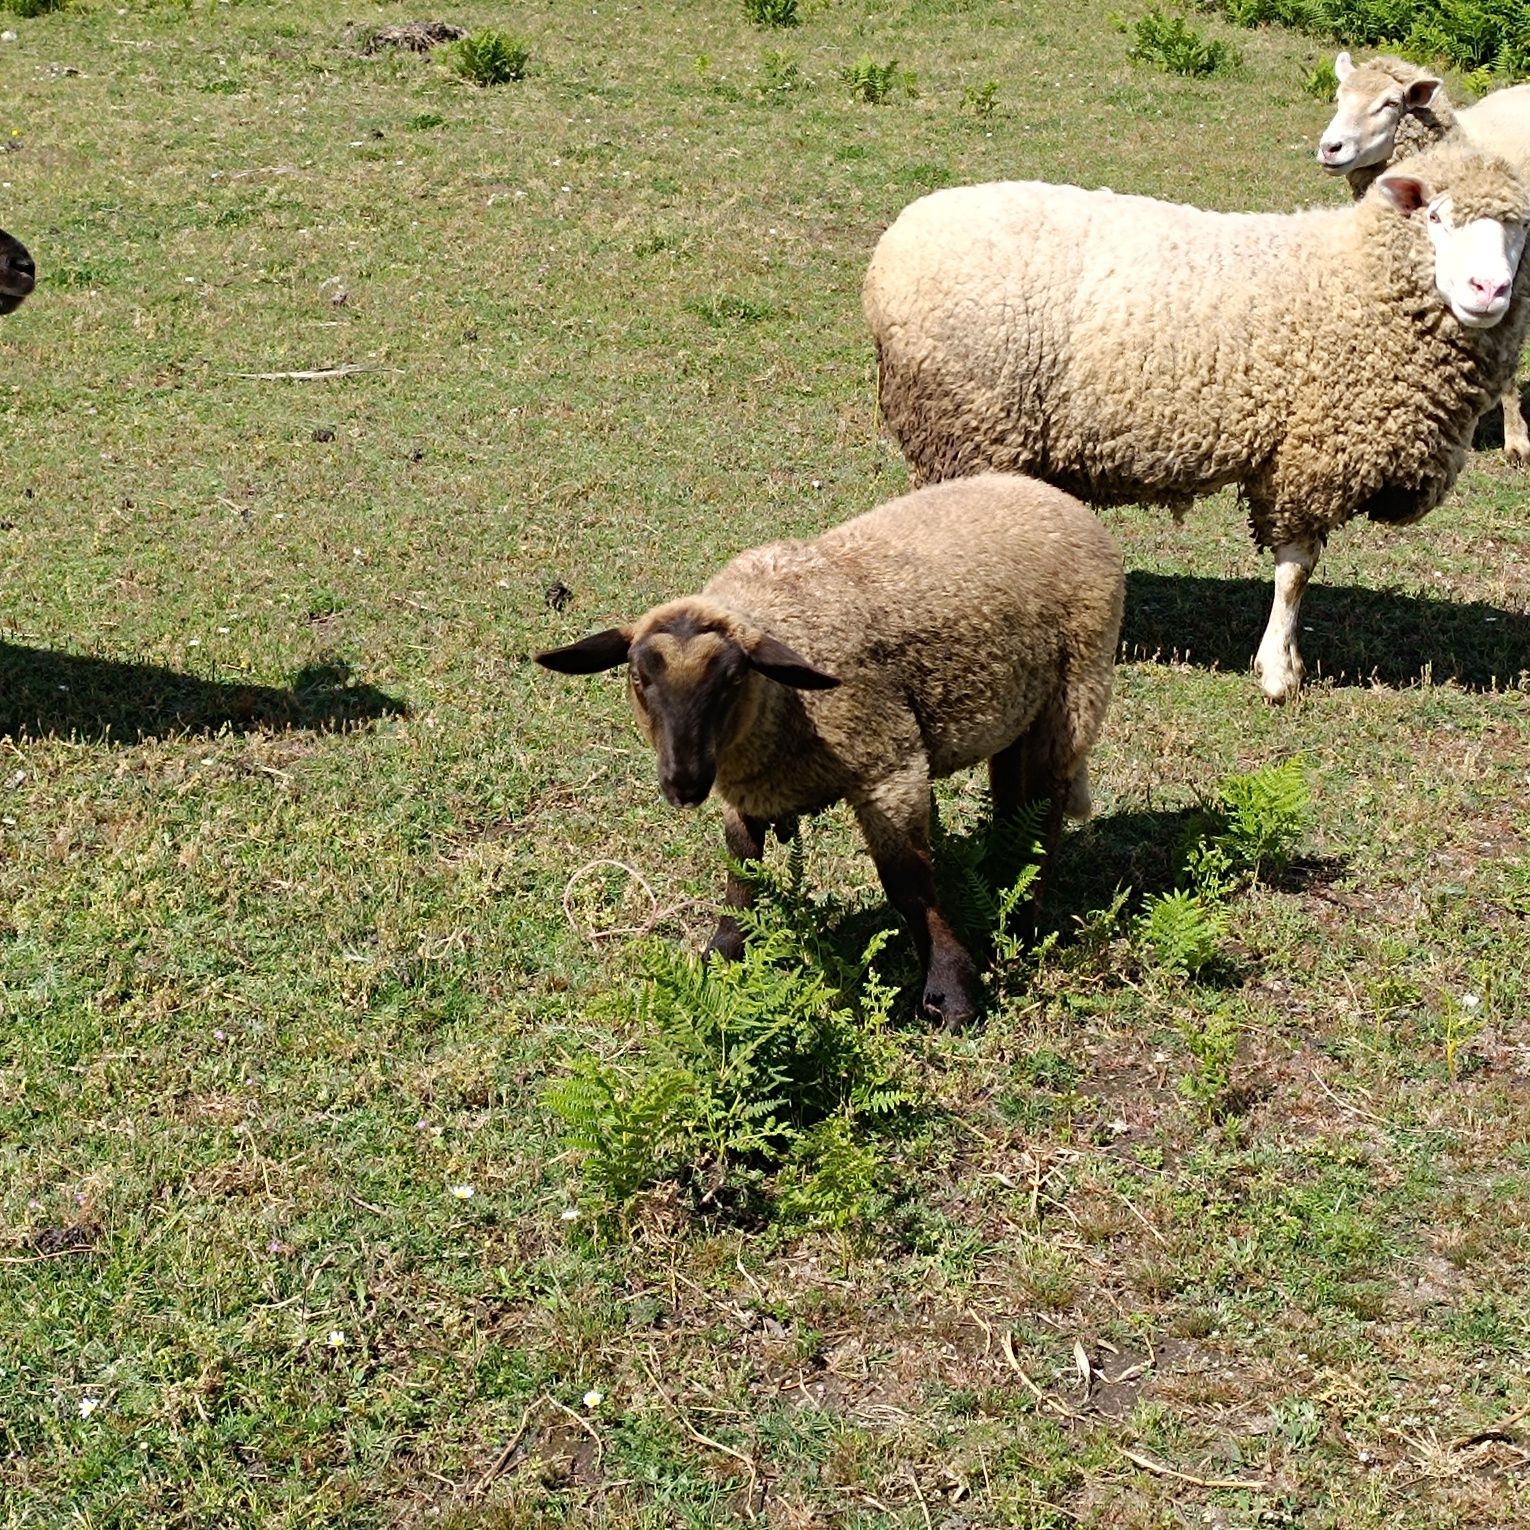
{"x": 1049, "y": 763}
{"x": 895, "y": 819}
{"x": 1278, "y": 664}
{"x": 1516, "y": 436}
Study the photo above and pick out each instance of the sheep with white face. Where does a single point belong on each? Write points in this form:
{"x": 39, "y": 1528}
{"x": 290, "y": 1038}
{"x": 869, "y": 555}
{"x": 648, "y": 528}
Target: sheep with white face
{"x": 1328, "y": 363}
{"x": 1386, "y": 111}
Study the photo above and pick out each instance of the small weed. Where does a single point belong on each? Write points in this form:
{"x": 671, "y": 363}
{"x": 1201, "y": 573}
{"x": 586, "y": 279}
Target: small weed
{"x": 1321, "y": 81}
{"x": 980, "y": 99}
{"x": 772, "y": 13}
{"x": 1457, "y": 1027}
{"x": 30, "y": 8}
{"x": 1173, "y": 45}
{"x": 875, "y": 83}
{"x": 423, "y": 122}
{"x": 779, "y": 76}
{"x": 1298, "y": 1421}
{"x": 1249, "y": 830}
{"x": 491, "y": 58}
{"x": 1213, "y": 1045}
{"x": 720, "y": 312}
{"x": 1181, "y": 931}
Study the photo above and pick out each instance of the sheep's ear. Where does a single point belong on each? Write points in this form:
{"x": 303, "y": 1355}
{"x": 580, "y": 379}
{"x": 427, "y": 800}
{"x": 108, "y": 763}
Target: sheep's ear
{"x": 601, "y": 650}
{"x": 1420, "y": 95}
{"x": 777, "y": 661}
{"x": 1407, "y": 193}
{"x": 1343, "y": 67}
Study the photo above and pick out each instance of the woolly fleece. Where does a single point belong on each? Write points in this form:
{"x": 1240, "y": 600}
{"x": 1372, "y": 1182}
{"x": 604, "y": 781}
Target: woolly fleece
{"x": 955, "y": 618}
{"x": 1131, "y": 350}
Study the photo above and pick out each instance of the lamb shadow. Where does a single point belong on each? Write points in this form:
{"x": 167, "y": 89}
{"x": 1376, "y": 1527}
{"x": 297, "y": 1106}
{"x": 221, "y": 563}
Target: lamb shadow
{"x": 46, "y": 694}
{"x": 1139, "y": 849}
{"x": 1350, "y": 635}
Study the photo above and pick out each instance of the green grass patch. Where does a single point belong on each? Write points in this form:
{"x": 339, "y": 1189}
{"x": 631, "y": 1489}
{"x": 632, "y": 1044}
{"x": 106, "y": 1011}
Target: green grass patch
{"x": 341, "y": 395}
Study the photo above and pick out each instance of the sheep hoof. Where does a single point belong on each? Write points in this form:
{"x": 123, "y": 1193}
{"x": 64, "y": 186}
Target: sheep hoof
{"x": 727, "y": 942}
{"x": 1516, "y": 455}
{"x": 1280, "y": 683}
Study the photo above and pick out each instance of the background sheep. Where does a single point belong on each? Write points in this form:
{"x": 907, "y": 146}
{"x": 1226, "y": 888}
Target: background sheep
{"x": 1330, "y": 363}
{"x": 1387, "y": 111}
{"x": 17, "y": 273}
{"x": 973, "y": 621}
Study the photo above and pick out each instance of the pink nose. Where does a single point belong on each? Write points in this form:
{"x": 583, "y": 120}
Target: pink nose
{"x": 1487, "y": 290}
{"x": 1330, "y": 150}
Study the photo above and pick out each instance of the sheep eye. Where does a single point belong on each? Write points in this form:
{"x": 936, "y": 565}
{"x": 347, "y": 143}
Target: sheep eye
{"x": 1434, "y": 215}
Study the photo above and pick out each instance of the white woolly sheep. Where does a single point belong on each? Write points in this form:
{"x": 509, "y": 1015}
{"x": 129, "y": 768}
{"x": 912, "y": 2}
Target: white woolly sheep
{"x": 1387, "y": 111}
{"x": 17, "y": 273}
{"x": 1329, "y": 363}
{"x": 973, "y": 621}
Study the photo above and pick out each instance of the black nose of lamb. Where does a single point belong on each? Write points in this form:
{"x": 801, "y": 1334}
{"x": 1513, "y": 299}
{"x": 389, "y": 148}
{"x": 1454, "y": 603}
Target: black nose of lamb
{"x": 689, "y": 789}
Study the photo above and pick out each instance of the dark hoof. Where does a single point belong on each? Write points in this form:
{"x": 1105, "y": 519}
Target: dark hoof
{"x": 726, "y": 944}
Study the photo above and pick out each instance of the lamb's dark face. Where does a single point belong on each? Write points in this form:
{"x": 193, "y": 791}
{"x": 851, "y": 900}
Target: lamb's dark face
{"x": 17, "y": 273}
{"x": 686, "y": 680}
{"x": 688, "y": 668}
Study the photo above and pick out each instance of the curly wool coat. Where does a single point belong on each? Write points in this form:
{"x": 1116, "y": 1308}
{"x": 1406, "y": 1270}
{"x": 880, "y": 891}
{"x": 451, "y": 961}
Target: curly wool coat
{"x": 1131, "y": 350}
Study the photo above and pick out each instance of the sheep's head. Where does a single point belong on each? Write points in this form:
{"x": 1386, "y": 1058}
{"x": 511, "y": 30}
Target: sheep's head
{"x": 1371, "y": 102}
{"x": 689, "y": 669}
{"x": 1475, "y": 213}
{"x": 17, "y": 273}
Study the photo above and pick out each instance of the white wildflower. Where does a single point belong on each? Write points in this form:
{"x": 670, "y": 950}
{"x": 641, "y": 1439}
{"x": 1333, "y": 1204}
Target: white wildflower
{"x": 593, "y": 1399}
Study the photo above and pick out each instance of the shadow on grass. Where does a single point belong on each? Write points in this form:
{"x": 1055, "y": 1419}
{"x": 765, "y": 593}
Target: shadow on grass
{"x": 1350, "y": 635}
{"x": 47, "y": 694}
{"x": 1488, "y": 436}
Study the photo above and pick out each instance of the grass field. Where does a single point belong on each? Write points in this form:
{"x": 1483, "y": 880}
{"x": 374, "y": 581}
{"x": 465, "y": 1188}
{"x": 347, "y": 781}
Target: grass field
{"x": 287, "y": 820}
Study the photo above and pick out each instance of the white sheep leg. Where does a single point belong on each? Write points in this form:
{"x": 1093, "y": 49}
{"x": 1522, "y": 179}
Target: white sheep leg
{"x": 1278, "y": 665}
{"x": 1516, "y": 437}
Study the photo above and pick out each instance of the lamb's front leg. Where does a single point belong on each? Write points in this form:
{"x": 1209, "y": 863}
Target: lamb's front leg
{"x": 896, "y": 822}
{"x": 1516, "y": 436}
{"x": 1278, "y": 664}
{"x": 745, "y": 839}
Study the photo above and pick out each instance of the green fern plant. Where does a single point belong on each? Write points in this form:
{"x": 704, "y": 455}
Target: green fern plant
{"x": 772, "y": 13}
{"x": 874, "y": 83}
{"x": 740, "y": 1064}
{"x": 1173, "y": 45}
{"x": 1182, "y": 931}
{"x": 1261, "y": 817}
{"x": 491, "y": 58}
{"x": 1213, "y": 1044}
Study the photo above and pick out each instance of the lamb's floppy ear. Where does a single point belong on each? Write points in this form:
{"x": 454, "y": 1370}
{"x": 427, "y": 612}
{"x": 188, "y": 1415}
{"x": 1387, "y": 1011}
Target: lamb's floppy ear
{"x": 1419, "y": 96}
{"x": 601, "y": 650}
{"x": 1343, "y": 67}
{"x": 776, "y": 660}
{"x": 1407, "y": 193}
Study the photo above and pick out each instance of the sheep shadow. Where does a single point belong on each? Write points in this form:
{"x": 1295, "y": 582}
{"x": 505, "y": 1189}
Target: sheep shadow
{"x": 46, "y": 694}
{"x": 1138, "y": 850}
{"x": 1488, "y": 437}
{"x": 1350, "y": 635}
